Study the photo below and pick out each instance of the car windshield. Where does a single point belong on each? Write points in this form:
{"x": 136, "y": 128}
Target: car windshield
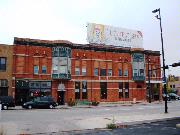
{"x": 36, "y": 99}
{"x": 173, "y": 94}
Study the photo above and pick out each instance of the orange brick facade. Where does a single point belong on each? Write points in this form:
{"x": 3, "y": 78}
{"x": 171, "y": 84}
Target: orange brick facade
{"x": 84, "y": 60}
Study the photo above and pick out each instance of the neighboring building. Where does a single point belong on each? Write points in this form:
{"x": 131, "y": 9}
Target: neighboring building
{"x": 83, "y": 71}
{"x": 31, "y": 71}
{"x": 6, "y": 58}
{"x": 173, "y": 84}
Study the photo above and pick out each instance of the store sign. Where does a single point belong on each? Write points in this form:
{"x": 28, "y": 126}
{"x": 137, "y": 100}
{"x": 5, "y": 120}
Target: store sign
{"x": 108, "y": 35}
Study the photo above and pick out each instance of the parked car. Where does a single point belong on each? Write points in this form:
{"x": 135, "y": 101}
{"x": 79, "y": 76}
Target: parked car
{"x": 168, "y": 97}
{"x": 40, "y": 102}
{"x": 6, "y": 102}
{"x": 174, "y": 96}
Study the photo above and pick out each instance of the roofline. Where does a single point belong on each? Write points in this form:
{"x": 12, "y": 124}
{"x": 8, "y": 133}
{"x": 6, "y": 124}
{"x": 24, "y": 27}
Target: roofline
{"x": 95, "y": 47}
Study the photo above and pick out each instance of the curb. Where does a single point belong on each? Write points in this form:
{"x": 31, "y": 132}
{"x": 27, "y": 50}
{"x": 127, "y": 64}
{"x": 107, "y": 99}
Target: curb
{"x": 147, "y": 121}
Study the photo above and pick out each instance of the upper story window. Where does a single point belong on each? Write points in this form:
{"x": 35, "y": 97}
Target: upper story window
{"x": 96, "y": 67}
{"x": 95, "y": 71}
{"x": 120, "y": 72}
{"x": 3, "y": 83}
{"x": 135, "y": 72}
{"x": 102, "y": 72}
{"x": 44, "y": 70}
{"x": 109, "y": 72}
{"x": 84, "y": 65}
{"x": 84, "y": 71}
{"x": 36, "y": 69}
{"x": 77, "y": 71}
{"x": 125, "y": 69}
{"x": 125, "y": 72}
{"x": 2, "y": 64}
{"x": 141, "y": 72}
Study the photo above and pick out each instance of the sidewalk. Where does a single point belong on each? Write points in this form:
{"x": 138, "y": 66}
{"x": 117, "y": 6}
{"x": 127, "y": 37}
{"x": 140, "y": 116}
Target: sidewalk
{"x": 101, "y": 122}
{"x": 103, "y": 104}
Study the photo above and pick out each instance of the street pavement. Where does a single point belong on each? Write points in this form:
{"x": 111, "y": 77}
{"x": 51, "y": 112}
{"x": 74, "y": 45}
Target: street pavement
{"x": 163, "y": 127}
{"x": 65, "y": 119}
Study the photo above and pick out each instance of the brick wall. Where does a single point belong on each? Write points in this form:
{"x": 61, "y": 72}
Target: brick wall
{"x": 7, "y": 51}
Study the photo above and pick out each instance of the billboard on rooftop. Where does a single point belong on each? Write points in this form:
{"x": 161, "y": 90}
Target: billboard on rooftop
{"x": 108, "y": 35}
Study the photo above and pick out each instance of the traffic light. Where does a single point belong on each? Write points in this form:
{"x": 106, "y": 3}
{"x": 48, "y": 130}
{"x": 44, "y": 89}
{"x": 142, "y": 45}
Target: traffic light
{"x": 176, "y": 64}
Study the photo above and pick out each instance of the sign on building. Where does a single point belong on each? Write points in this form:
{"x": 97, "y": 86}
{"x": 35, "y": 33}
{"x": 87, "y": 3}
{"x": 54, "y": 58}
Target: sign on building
{"x": 108, "y": 35}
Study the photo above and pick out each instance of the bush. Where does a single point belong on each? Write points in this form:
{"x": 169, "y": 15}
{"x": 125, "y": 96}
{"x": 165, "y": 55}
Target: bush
{"x": 111, "y": 126}
{"x": 71, "y": 102}
{"x": 95, "y": 103}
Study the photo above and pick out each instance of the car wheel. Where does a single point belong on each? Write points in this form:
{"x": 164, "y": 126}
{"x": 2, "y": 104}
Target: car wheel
{"x": 29, "y": 107}
{"x": 51, "y": 106}
{"x": 5, "y": 107}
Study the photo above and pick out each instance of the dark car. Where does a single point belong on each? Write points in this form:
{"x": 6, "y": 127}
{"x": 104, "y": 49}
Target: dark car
{"x": 168, "y": 97}
{"x": 6, "y": 102}
{"x": 174, "y": 96}
{"x": 40, "y": 102}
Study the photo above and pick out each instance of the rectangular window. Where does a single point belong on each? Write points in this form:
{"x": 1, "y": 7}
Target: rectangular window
{"x": 120, "y": 89}
{"x": 103, "y": 86}
{"x": 44, "y": 70}
{"x": 36, "y": 69}
{"x": 55, "y": 69}
{"x": 84, "y": 90}
{"x": 84, "y": 71}
{"x": 109, "y": 72}
{"x": 3, "y": 83}
{"x": 125, "y": 72}
{"x": 102, "y": 72}
{"x": 95, "y": 71}
{"x": 120, "y": 72}
{"x": 77, "y": 71}
{"x": 141, "y": 72}
{"x": 63, "y": 69}
{"x": 77, "y": 90}
{"x": 2, "y": 64}
{"x": 126, "y": 90}
{"x": 135, "y": 72}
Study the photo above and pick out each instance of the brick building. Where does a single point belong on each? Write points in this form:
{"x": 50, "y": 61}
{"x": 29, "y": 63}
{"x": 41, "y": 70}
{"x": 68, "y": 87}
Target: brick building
{"x": 6, "y": 70}
{"x": 31, "y": 72}
{"x": 83, "y": 71}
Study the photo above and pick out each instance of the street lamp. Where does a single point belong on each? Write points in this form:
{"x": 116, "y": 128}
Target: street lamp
{"x": 164, "y": 74}
{"x": 149, "y": 85}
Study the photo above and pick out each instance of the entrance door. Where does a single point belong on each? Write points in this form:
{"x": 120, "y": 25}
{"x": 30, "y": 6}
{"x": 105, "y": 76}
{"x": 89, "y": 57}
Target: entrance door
{"x": 21, "y": 96}
{"x": 60, "y": 98}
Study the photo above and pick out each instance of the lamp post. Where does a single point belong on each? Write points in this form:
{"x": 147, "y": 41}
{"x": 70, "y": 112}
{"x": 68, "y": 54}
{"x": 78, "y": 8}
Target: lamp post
{"x": 149, "y": 85}
{"x": 164, "y": 73}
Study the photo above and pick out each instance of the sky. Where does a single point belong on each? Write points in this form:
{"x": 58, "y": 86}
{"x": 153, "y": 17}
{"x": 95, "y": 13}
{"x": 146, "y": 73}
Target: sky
{"x": 67, "y": 20}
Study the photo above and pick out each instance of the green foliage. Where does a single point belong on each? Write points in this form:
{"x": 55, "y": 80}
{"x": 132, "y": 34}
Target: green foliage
{"x": 170, "y": 90}
{"x": 111, "y": 125}
{"x": 95, "y": 103}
